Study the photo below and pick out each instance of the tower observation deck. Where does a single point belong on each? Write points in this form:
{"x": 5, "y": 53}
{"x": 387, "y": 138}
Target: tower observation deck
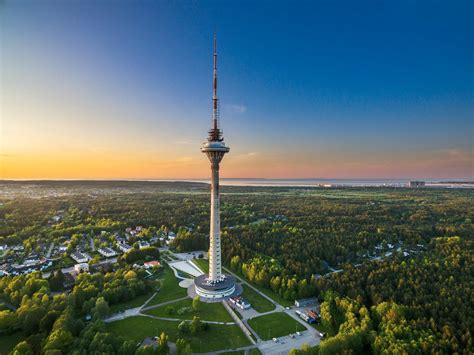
{"x": 215, "y": 285}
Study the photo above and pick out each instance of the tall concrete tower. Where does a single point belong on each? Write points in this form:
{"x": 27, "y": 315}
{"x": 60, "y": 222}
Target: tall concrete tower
{"x": 215, "y": 284}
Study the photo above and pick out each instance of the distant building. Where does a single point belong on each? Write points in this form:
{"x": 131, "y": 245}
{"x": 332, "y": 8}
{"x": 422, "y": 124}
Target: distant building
{"x": 79, "y": 257}
{"x": 143, "y": 244}
{"x": 82, "y": 267}
{"x": 107, "y": 252}
{"x": 304, "y": 302}
{"x": 417, "y": 183}
{"x": 150, "y": 264}
{"x": 240, "y": 302}
{"x": 125, "y": 248}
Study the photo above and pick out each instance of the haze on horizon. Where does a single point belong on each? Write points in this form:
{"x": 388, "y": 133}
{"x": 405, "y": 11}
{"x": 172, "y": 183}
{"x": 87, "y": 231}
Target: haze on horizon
{"x": 122, "y": 90}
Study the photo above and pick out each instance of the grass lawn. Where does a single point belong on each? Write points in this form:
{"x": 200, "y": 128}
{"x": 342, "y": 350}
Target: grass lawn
{"x": 203, "y": 264}
{"x": 8, "y": 342}
{"x": 274, "y": 325}
{"x": 209, "y": 311}
{"x": 255, "y": 351}
{"x": 259, "y": 303}
{"x": 274, "y": 296}
{"x": 217, "y": 337}
{"x": 169, "y": 289}
{"x": 136, "y": 302}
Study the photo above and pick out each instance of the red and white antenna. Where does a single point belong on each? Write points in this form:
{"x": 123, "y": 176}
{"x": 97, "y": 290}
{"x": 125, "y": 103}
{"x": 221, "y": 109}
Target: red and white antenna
{"x": 215, "y": 133}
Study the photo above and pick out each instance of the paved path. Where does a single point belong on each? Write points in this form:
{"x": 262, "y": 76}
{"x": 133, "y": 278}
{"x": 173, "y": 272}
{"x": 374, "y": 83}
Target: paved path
{"x": 164, "y": 303}
{"x": 50, "y": 250}
{"x": 185, "y": 320}
{"x": 245, "y": 328}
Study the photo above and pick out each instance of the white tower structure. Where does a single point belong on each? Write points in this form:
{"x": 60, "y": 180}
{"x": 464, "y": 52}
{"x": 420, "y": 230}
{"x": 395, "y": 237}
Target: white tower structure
{"x": 215, "y": 284}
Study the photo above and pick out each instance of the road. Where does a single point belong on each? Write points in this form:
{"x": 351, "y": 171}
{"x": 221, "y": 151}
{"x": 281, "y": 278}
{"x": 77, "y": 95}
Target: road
{"x": 50, "y": 250}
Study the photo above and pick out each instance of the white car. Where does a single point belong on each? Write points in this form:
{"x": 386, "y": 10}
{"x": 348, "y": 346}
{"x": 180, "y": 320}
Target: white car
{"x": 298, "y": 333}
{"x": 275, "y": 340}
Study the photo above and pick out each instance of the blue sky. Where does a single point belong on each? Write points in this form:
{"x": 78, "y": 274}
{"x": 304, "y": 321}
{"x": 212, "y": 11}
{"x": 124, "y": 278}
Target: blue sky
{"x": 308, "y": 89}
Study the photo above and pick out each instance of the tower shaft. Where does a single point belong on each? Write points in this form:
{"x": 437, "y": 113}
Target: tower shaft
{"x": 215, "y": 267}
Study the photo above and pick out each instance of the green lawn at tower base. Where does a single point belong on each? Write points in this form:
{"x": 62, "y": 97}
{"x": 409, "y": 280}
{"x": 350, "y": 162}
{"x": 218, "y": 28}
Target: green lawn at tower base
{"x": 275, "y": 325}
{"x": 208, "y": 311}
{"x": 258, "y": 302}
{"x": 203, "y": 264}
{"x": 217, "y": 337}
{"x": 169, "y": 288}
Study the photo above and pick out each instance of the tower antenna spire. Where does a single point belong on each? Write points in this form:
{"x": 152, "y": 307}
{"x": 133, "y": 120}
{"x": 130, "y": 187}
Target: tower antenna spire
{"x": 215, "y": 133}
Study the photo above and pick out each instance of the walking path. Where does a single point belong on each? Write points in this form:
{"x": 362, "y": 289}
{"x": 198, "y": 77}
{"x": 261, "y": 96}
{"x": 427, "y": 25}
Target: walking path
{"x": 50, "y": 250}
{"x": 185, "y": 320}
{"x": 245, "y": 328}
{"x": 164, "y": 303}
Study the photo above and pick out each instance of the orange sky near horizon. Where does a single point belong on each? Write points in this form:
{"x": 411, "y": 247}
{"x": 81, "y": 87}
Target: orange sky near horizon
{"x": 110, "y": 165}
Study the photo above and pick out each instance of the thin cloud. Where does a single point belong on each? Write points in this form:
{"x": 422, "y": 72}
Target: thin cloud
{"x": 240, "y": 109}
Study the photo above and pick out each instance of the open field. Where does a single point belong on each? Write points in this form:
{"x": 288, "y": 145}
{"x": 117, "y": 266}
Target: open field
{"x": 217, "y": 337}
{"x": 209, "y": 311}
{"x": 274, "y": 325}
{"x": 169, "y": 288}
{"x": 258, "y": 303}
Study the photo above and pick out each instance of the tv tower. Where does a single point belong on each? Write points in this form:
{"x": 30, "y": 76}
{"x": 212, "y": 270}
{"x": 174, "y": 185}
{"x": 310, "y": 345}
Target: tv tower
{"x": 215, "y": 284}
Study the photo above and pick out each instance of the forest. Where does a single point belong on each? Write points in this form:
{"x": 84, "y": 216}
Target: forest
{"x": 393, "y": 267}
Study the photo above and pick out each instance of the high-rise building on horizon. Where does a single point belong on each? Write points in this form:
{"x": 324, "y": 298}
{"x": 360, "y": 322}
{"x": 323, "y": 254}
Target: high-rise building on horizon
{"x": 215, "y": 284}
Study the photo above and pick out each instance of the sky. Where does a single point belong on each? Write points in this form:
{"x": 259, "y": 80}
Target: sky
{"x": 308, "y": 89}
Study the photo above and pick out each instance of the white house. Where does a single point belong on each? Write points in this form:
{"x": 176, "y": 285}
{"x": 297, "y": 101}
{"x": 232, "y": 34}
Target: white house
{"x": 125, "y": 248}
{"x": 80, "y": 257}
{"x": 143, "y": 244}
{"x": 107, "y": 252}
{"x": 82, "y": 267}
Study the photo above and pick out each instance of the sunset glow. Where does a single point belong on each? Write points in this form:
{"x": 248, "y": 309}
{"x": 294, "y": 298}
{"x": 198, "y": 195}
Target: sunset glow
{"x": 100, "y": 92}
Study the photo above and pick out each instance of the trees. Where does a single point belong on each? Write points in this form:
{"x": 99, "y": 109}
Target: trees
{"x": 197, "y": 304}
{"x": 101, "y": 309}
{"x": 22, "y": 348}
{"x": 56, "y": 281}
{"x": 7, "y": 321}
{"x": 183, "y": 347}
{"x": 162, "y": 346}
